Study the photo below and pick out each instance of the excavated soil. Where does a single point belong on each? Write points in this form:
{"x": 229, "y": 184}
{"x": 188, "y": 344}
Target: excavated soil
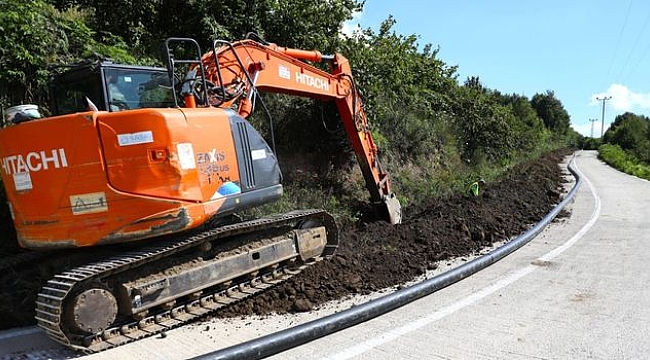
{"x": 377, "y": 255}
{"x": 372, "y": 256}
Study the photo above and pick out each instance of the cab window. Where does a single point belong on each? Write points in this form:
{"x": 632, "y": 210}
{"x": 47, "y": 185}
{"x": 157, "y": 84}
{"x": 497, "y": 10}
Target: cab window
{"x": 133, "y": 89}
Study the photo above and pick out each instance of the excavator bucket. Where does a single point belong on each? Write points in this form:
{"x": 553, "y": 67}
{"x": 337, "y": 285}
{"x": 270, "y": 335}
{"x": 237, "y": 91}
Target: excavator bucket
{"x": 392, "y": 209}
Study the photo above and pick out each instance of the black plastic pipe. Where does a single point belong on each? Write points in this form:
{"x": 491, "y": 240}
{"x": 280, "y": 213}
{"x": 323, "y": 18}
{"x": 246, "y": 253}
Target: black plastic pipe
{"x": 289, "y": 338}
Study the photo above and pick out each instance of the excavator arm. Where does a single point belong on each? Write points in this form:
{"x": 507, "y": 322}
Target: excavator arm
{"x": 234, "y": 71}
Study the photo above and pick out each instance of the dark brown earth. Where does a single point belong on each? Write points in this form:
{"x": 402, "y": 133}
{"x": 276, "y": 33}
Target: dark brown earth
{"x": 372, "y": 256}
{"x": 377, "y": 255}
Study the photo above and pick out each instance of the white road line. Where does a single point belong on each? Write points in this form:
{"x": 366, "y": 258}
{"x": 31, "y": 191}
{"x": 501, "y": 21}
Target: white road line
{"x": 594, "y": 216}
{"x": 393, "y": 334}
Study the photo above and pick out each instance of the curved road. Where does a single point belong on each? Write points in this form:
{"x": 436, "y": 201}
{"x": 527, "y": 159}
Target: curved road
{"x": 580, "y": 290}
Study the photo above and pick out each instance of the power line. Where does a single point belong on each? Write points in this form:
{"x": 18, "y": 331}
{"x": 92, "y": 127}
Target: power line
{"x": 636, "y": 65}
{"x": 645, "y": 52}
{"x": 602, "y": 124}
{"x": 638, "y": 38}
{"x": 618, "y": 42}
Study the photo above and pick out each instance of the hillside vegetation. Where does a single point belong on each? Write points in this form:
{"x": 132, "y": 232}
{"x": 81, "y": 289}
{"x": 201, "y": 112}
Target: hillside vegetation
{"x": 436, "y": 132}
{"x": 626, "y": 145}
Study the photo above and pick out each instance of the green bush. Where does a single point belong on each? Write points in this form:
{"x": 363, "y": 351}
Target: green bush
{"x": 632, "y": 133}
{"x": 618, "y": 158}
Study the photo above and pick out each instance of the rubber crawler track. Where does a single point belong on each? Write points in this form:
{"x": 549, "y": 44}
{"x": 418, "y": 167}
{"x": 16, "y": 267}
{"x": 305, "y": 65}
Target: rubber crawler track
{"x": 52, "y": 297}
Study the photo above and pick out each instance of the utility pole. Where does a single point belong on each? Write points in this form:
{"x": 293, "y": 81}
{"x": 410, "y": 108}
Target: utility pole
{"x": 602, "y": 124}
{"x": 592, "y": 126}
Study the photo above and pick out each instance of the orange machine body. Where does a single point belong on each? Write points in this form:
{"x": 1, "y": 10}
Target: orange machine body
{"x": 107, "y": 177}
{"x": 140, "y": 165}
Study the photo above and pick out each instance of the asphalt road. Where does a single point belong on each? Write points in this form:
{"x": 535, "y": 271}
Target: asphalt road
{"x": 577, "y": 291}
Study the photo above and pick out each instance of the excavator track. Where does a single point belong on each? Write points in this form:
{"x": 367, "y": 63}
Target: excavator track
{"x": 89, "y": 288}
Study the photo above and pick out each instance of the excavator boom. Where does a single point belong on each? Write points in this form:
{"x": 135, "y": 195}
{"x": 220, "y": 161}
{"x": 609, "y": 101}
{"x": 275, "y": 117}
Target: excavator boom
{"x": 249, "y": 66}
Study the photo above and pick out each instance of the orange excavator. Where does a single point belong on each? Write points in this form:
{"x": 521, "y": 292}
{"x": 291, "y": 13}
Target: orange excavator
{"x": 163, "y": 158}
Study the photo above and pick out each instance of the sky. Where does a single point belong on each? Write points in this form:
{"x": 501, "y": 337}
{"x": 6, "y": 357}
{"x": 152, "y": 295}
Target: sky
{"x": 582, "y": 50}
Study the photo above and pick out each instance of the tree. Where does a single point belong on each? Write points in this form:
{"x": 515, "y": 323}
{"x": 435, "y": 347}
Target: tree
{"x": 485, "y": 129}
{"x": 144, "y": 24}
{"x": 34, "y": 35}
{"x": 630, "y": 132}
{"x": 552, "y": 112}
{"x": 530, "y": 130}
{"x": 308, "y": 24}
{"x": 474, "y": 82}
{"x": 405, "y": 89}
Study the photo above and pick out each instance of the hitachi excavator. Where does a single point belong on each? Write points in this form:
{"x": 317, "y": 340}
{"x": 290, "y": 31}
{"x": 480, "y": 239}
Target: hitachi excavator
{"x": 142, "y": 154}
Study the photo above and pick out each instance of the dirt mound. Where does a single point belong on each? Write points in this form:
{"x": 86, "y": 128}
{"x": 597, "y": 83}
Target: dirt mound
{"x": 371, "y": 257}
{"x": 378, "y": 255}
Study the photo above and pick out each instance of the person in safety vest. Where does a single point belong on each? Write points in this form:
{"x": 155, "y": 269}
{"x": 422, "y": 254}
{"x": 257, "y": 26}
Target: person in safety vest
{"x": 475, "y": 188}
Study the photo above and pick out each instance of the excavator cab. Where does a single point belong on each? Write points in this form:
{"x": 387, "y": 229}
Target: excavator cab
{"x": 110, "y": 87}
